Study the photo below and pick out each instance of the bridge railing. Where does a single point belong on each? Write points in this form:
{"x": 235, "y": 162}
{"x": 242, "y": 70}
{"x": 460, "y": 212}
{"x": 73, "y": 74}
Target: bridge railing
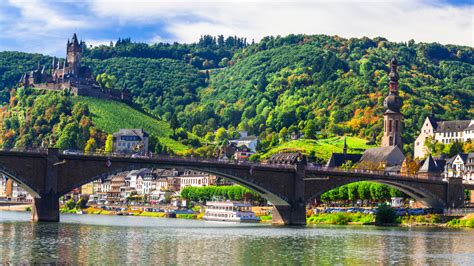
{"x": 29, "y": 150}
{"x": 375, "y": 173}
{"x": 360, "y": 171}
{"x": 179, "y": 159}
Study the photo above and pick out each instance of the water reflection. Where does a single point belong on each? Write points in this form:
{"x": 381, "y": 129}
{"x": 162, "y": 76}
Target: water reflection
{"x": 137, "y": 240}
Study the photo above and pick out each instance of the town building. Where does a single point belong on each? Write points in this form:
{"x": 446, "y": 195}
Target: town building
{"x": 131, "y": 141}
{"x": 431, "y": 168}
{"x": 344, "y": 158}
{"x": 389, "y": 157}
{"x": 87, "y": 189}
{"x": 133, "y": 175}
{"x": 245, "y": 140}
{"x": 460, "y": 166}
{"x": 146, "y": 183}
{"x": 243, "y": 153}
{"x": 9, "y": 189}
{"x": 392, "y": 118}
{"x": 444, "y": 132}
{"x": 117, "y": 189}
{"x": 194, "y": 179}
{"x": 70, "y": 75}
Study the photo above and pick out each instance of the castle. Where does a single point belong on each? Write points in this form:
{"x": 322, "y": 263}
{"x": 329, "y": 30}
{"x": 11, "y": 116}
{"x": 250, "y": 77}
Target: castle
{"x": 70, "y": 75}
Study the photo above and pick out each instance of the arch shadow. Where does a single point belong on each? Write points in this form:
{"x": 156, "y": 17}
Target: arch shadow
{"x": 273, "y": 197}
{"x": 425, "y": 197}
{"x": 21, "y": 181}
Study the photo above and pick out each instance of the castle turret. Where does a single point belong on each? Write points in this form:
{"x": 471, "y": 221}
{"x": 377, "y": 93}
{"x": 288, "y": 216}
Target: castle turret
{"x": 74, "y": 55}
{"x": 392, "y": 118}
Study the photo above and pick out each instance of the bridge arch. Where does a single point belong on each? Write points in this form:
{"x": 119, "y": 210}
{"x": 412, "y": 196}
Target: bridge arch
{"x": 265, "y": 193}
{"x": 421, "y": 195}
{"x": 22, "y": 182}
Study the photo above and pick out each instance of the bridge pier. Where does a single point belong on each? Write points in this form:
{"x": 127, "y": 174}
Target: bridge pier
{"x": 295, "y": 213}
{"x": 289, "y": 215}
{"x": 46, "y": 207}
{"x": 455, "y": 195}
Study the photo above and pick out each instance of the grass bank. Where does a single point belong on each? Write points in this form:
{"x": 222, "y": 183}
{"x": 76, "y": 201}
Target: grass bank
{"x": 466, "y": 221}
{"x": 341, "y": 218}
{"x": 323, "y": 148}
{"x": 110, "y": 116}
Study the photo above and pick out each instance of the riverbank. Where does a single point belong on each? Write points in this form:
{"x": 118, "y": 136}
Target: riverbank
{"x": 15, "y": 207}
{"x": 433, "y": 220}
{"x": 466, "y": 221}
{"x": 429, "y": 220}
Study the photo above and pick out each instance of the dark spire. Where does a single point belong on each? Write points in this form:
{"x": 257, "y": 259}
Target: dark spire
{"x": 393, "y": 102}
{"x": 74, "y": 40}
{"x": 393, "y": 75}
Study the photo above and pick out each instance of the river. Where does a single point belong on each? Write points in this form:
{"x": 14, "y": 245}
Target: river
{"x": 97, "y": 239}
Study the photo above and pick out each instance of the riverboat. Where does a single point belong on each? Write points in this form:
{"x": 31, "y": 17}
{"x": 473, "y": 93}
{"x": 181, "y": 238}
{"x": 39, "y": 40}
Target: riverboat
{"x": 229, "y": 211}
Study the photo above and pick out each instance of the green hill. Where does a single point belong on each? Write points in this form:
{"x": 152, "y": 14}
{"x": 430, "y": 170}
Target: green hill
{"x": 280, "y": 85}
{"x": 323, "y": 148}
{"x": 110, "y": 116}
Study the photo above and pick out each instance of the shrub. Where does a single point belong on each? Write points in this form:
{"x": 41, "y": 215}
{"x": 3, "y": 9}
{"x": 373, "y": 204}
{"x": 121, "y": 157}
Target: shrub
{"x": 385, "y": 215}
{"x": 28, "y": 209}
{"x": 341, "y": 218}
{"x": 265, "y": 217}
{"x": 186, "y": 216}
{"x": 420, "y": 219}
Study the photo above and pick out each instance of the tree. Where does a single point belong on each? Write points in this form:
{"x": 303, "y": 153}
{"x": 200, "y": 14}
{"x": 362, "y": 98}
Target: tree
{"x": 69, "y": 138}
{"x": 106, "y": 81}
{"x": 310, "y": 130}
{"x": 385, "y": 215}
{"x": 91, "y": 145}
{"x": 109, "y": 145}
{"x": 174, "y": 122}
{"x": 221, "y": 134}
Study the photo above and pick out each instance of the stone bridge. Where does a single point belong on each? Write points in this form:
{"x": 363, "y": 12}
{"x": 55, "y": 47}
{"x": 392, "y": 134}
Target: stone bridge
{"x": 51, "y": 174}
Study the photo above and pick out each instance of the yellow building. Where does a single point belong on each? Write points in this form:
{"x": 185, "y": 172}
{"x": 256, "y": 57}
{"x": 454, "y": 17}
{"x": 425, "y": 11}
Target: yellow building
{"x": 87, "y": 189}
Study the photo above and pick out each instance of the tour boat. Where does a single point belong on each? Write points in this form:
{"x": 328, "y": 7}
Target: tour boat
{"x": 229, "y": 211}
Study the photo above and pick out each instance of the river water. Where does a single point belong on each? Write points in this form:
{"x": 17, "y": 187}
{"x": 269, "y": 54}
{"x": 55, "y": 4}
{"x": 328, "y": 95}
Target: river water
{"x": 96, "y": 239}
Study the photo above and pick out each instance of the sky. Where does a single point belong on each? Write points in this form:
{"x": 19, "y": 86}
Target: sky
{"x": 43, "y": 26}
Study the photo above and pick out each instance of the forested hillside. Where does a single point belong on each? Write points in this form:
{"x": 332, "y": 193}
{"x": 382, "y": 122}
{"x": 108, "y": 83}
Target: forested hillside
{"x": 34, "y": 119}
{"x": 316, "y": 85}
{"x": 334, "y": 86}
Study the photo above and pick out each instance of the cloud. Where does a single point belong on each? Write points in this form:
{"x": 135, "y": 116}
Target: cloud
{"x": 400, "y": 20}
{"x": 97, "y": 42}
{"x": 43, "y": 25}
{"x": 38, "y": 26}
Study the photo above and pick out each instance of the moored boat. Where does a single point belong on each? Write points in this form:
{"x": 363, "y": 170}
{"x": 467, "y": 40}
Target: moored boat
{"x": 229, "y": 211}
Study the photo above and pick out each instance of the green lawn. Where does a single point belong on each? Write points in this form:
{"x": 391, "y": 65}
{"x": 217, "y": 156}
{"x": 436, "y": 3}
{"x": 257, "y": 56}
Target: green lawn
{"x": 110, "y": 116}
{"x": 323, "y": 148}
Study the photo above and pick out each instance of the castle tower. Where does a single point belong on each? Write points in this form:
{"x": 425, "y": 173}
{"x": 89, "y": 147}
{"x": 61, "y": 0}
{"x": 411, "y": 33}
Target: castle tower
{"x": 392, "y": 118}
{"x": 74, "y": 55}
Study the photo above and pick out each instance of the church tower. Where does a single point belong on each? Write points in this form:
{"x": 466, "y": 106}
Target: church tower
{"x": 392, "y": 118}
{"x": 74, "y": 55}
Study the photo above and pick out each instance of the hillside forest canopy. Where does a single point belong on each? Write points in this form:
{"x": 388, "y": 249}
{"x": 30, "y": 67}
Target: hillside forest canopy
{"x": 317, "y": 85}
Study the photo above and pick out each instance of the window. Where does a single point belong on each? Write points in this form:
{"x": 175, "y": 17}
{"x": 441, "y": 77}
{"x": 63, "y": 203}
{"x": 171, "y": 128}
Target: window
{"x": 390, "y": 126}
{"x": 396, "y": 125}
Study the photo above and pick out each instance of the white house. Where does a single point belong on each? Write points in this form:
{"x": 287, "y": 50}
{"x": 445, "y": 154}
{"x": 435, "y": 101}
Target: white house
{"x": 145, "y": 183}
{"x": 245, "y": 140}
{"x": 194, "y": 179}
{"x": 131, "y": 141}
{"x": 461, "y": 166}
{"x": 444, "y": 132}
